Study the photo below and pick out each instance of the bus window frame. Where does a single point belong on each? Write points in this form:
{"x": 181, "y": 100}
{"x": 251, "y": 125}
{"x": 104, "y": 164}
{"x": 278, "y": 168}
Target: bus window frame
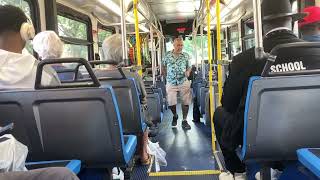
{"x": 232, "y": 40}
{"x": 35, "y": 13}
{"x": 105, "y": 28}
{"x": 72, "y": 14}
{"x": 245, "y": 36}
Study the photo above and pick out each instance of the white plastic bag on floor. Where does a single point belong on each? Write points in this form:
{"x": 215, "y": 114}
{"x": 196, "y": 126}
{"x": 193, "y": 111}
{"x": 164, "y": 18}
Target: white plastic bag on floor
{"x": 13, "y": 154}
{"x": 117, "y": 174}
{"x": 158, "y": 153}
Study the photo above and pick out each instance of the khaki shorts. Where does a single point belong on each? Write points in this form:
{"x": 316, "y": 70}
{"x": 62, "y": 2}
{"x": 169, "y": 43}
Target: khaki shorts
{"x": 185, "y": 93}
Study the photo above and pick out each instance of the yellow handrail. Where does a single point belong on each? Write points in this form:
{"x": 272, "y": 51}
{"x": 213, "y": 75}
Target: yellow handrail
{"x": 219, "y": 56}
{"x": 136, "y": 26}
{"x": 211, "y": 95}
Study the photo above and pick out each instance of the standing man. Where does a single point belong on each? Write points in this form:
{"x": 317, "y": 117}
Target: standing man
{"x": 310, "y": 25}
{"x": 177, "y": 68}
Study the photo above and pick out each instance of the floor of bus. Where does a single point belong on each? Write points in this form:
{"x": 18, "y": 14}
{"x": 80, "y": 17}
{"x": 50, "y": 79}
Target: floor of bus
{"x": 187, "y": 151}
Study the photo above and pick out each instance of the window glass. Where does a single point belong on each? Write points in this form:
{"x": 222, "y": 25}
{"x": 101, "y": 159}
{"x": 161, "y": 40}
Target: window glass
{"x": 247, "y": 30}
{"x": 19, "y": 3}
{"x": 72, "y": 28}
{"x": 103, "y": 34}
{"x": 188, "y": 47}
{"x": 72, "y": 50}
{"x": 234, "y": 32}
{"x": 249, "y": 43}
{"x": 234, "y": 48}
{"x": 224, "y": 53}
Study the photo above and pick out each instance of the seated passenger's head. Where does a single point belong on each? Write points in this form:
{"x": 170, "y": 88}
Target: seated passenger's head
{"x": 310, "y": 25}
{"x": 112, "y": 49}
{"x": 48, "y": 45}
{"x": 281, "y": 16}
{"x": 15, "y": 30}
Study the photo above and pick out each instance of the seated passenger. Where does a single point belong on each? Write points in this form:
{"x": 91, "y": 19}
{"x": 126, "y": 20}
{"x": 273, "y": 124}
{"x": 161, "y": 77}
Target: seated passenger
{"x": 310, "y": 25}
{"x": 49, "y": 46}
{"x": 277, "y": 27}
{"x": 112, "y": 51}
{"x": 17, "y": 70}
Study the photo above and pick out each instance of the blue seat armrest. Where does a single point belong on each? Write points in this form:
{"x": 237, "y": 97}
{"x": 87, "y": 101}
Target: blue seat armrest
{"x": 72, "y": 165}
{"x": 144, "y": 126}
{"x": 129, "y": 147}
{"x": 310, "y": 158}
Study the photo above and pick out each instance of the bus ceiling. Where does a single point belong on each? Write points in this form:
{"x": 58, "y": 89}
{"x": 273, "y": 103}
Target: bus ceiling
{"x": 176, "y": 17}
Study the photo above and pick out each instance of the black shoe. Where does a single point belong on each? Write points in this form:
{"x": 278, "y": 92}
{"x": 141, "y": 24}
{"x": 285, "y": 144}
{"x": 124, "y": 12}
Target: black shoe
{"x": 174, "y": 120}
{"x": 149, "y": 123}
{"x": 153, "y": 133}
{"x": 196, "y": 121}
{"x": 185, "y": 125}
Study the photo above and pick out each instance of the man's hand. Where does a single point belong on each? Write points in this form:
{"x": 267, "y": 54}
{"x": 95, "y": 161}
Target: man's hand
{"x": 187, "y": 73}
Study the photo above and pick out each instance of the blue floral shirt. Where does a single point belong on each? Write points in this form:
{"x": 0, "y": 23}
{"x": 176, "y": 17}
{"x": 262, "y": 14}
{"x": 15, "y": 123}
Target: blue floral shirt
{"x": 176, "y": 67}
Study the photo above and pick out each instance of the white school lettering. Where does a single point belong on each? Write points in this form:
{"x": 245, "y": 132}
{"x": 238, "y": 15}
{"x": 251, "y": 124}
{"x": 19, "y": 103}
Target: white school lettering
{"x": 291, "y": 66}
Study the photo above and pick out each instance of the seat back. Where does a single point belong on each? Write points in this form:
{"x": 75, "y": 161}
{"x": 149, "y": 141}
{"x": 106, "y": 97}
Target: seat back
{"x": 159, "y": 92}
{"x": 79, "y": 123}
{"x": 129, "y": 104}
{"x": 127, "y": 95}
{"x": 154, "y": 107}
{"x": 281, "y": 116}
{"x": 203, "y": 92}
{"x": 162, "y": 86}
{"x": 287, "y": 59}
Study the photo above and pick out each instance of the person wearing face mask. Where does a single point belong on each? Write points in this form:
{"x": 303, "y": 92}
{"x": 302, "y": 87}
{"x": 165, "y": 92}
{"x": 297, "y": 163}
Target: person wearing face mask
{"x": 310, "y": 25}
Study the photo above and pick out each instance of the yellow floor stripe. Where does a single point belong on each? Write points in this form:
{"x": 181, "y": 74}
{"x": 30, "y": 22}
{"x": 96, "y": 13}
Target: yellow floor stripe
{"x": 185, "y": 173}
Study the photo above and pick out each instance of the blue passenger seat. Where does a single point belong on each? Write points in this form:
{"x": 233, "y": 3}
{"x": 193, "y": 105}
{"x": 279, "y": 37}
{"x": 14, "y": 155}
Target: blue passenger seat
{"x": 282, "y": 109}
{"x": 80, "y": 121}
{"x": 310, "y": 158}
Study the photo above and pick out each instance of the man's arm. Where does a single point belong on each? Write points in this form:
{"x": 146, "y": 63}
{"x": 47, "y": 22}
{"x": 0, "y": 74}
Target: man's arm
{"x": 234, "y": 84}
{"x": 188, "y": 71}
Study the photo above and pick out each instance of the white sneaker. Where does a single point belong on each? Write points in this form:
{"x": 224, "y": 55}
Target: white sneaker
{"x": 275, "y": 174}
{"x": 117, "y": 174}
{"x": 240, "y": 176}
{"x": 226, "y": 176}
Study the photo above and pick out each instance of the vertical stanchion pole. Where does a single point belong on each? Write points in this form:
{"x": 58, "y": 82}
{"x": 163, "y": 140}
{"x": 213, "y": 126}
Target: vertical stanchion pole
{"x": 211, "y": 93}
{"x": 153, "y": 60}
{"x": 136, "y": 26}
{"x": 194, "y": 38}
{"x": 202, "y": 55}
{"x": 123, "y": 31}
{"x": 219, "y": 56}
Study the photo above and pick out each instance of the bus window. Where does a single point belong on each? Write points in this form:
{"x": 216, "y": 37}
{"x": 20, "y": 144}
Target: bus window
{"x": 102, "y": 35}
{"x": 75, "y": 34}
{"x": 234, "y": 41}
{"x": 224, "y": 53}
{"x": 24, "y": 5}
{"x": 248, "y": 36}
